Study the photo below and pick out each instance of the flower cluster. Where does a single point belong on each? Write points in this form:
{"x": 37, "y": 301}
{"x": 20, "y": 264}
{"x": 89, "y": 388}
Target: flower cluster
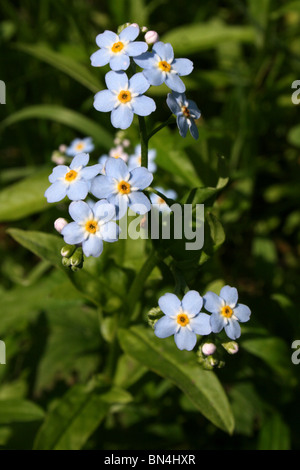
{"x": 124, "y": 96}
{"x": 184, "y": 319}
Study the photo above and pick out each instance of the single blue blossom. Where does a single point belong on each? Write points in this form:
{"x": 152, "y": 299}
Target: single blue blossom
{"x": 226, "y": 311}
{"x": 123, "y": 188}
{"x": 161, "y": 67}
{"x": 93, "y": 224}
{"x": 183, "y": 319}
{"x": 80, "y": 146}
{"x": 73, "y": 181}
{"x": 160, "y": 202}
{"x": 124, "y": 98}
{"x": 135, "y": 160}
{"x": 117, "y": 49}
{"x": 186, "y": 112}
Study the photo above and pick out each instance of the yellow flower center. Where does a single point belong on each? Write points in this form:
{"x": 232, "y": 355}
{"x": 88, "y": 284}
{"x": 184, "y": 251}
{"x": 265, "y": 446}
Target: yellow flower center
{"x": 183, "y": 319}
{"x": 160, "y": 200}
{"x": 91, "y": 226}
{"x": 79, "y": 147}
{"x": 124, "y": 96}
{"x": 71, "y": 175}
{"x": 164, "y": 66}
{"x": 185, "y": 111}
{"x": 226, "y": 311}
{"x": 117, "y": 46}
{"x": 124, "y": 187}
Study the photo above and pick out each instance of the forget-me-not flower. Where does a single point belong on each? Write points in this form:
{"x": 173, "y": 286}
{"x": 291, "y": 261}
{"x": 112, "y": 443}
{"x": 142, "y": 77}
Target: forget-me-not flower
{"x": 117, "y": 49}
{"x": 160, "y": 66}
{"x": 183, "y": 319}
{"x": 115, "y": 152}
{"x": 160, "y": 202}
{"x": 73, "y": 181}
{"x": 92, "y": 225}
{"x": 80, "y": 146}
{"x": 124, "y": 98}
{"x": 186, "y": 112}
{"x": 135, "y": 160}
{"x": 123, "y": 188}
{"x": 226, "y": 311}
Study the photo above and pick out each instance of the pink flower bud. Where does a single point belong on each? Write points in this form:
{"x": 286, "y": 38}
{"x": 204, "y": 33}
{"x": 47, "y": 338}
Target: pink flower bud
{"x": 59, "y": 224}
{"x": 62, "y": 148}
{"x": 151, "y": 37}
{"x": 144, "y": 29}
{"x": 208, "y": 349}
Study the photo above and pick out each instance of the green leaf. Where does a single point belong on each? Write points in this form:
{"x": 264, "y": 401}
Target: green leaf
{"x": 75, "y": 417}
{"x": 64, "y": 116}
{"x": 189, "y": 39}
{"x": 294, "y": 136}
{"x": 64, "y": 63}
{"x": 19, "y": 411}
{"x": 274, "y": 434}
{"x": 162, "y": 356}
{"x": 25, "y": 197}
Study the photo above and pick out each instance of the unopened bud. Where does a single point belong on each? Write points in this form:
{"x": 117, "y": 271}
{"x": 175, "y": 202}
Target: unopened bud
{"x": 126, "y": 143}
{"x": 144, "y": 29}
{"x": 208, "y": 349}
{"x": 121, "y": 27}
{"x": 58, "y": 158}
{"x": 153, "y": 315}
{"x": 231, "y": 347}
{"x": 67, "y": 251}
{"x": 62, "y": 148}
{"x": 77, "y": 258}
{"x": 151, "y": 37}
{"x": 59, "y": 224}
{"x": 66, "y": 262}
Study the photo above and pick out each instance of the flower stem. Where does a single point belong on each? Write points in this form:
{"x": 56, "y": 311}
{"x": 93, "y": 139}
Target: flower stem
{"x": 161, "y": 126}
{"x": 144, "y": 141}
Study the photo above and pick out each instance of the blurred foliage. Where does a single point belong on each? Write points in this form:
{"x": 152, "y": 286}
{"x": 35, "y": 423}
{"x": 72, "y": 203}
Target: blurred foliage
{"x": 62, "y": 386}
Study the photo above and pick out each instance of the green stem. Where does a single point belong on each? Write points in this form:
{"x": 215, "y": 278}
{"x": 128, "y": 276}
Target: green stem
{"x": 161, "y": 126}
{"x": 144, "y": 141}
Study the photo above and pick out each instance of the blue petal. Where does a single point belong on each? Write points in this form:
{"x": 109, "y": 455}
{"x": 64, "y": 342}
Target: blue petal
{"x": 120, "y": 203}
{"x": 145, "y": 60}
{"x": 193, "y": 109}
{"x": 169, "y": 304}
{"x": 200, "y": 324}
{"x": 106, "y": 39}
{"x": 212, "y": 302}
{"x": 140, "y": 178}
{"x": 102, "y": 186}
{"x": 185, "y": 339}
{"x": 104, "y": 211}
{"x": 92, "y": 246}
{"x": 182, "y": 66}
{"x": 79, "y": 160}
{"x": 138, "y": 83}
{"x": 194, "y": 130}
{"x": 173, "y": 104}
{"x": 56, "y": 192}
{"x": 217, "y": 322}
{"x": 242, "y": 312}
{"x": 139, "y": 203}
{"x": 58, "y": 172}
{"x": 136, "y": 48}
{"x": 121, "y": 117}
{"x": 119, "y": 61}
{"x": 154, "y": 76}
{"x": 73, "y": 233}
{"x": 233, "y": 329}
{"x": 182, "y": 125}
{"x": 174, "y": 82}
{"x": 110, "y": 232}
{"x": 100, "y": 58}
{"x": 192, "y": 302}
{"x": 91, "y": 171}
{"x": 130, "y": 33}
{"x": 143, "y": 105}
{"x": 79, "y": 211}
{"x": 116, "y": 81}
{"x": 165, "y": 327}
{"x": 165, "y": 51}
{"x": 105, "y": 101}
{"x": 230, "y": 295}
{"x": 78, "y": 190}
{"x": 116, "y": 168}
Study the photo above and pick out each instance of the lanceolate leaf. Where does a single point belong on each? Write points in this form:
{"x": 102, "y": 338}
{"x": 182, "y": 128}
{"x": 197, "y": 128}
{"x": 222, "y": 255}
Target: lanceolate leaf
{"x": 19, "y": 411}
{"x": 162, "y": 356}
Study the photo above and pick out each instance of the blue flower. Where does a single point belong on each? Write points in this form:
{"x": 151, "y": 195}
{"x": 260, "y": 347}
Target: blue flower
{"x": 73, "y": 181}
{"x": 116, "y": 152}
{"x": 124, "y": 98}
{"x": 160, "y": 66}
{"x": 116, "y": 50}
{"x": 93, "y": 225}
{"x": 186, "y": 111}
{"x": 122, "y": 187}
{"x": 183, "y": 319}
{"x": 160, "y": 202}
{"x": 135, "y": 160}
{"x": 226, "y": 311}
{"x": 79, "y": 146}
